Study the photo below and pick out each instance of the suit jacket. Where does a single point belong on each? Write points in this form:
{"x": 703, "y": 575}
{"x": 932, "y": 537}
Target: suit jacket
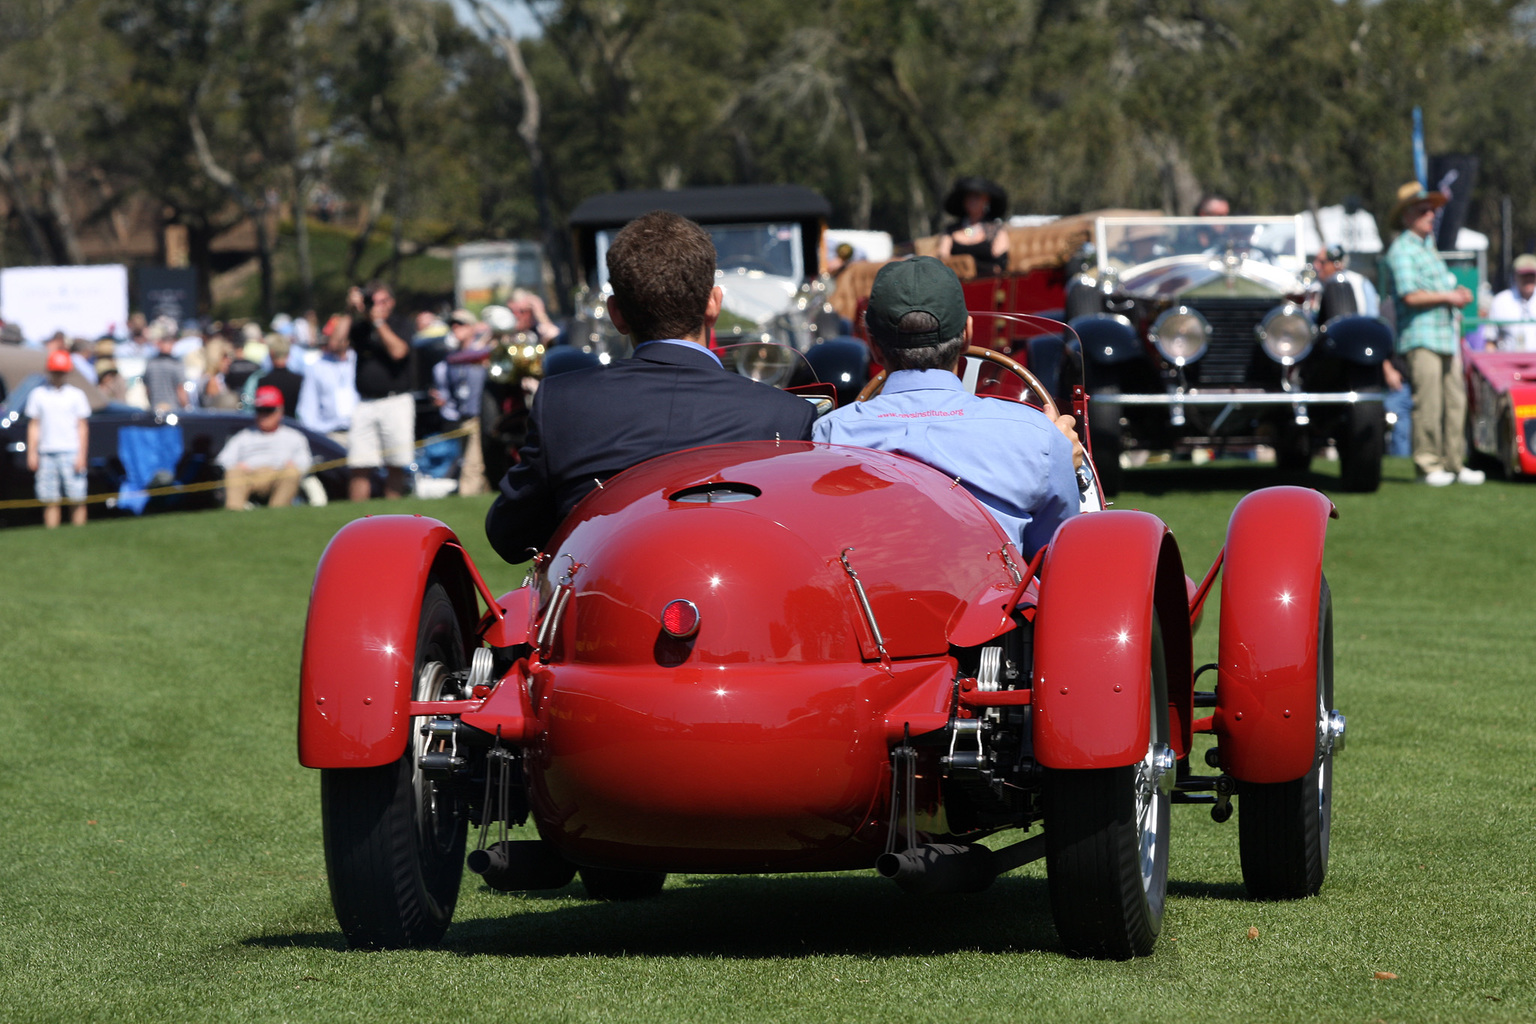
{"x": 589, "y": 425}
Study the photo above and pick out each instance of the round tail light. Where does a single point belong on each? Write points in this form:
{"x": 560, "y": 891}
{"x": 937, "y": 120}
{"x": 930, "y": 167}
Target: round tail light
{"x": 680, "y": 619}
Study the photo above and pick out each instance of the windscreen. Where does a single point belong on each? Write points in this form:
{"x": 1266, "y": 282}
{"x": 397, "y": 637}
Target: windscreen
{"x": 1124, "y": 242}
{"x": 769, "y": 248}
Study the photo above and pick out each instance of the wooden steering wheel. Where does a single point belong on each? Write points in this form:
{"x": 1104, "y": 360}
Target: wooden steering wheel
{"x": 1031, "y": 382}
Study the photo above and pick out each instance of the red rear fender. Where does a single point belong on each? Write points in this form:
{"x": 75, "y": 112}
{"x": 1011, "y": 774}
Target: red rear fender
{"x": 360, "y": 636}
{"x": 1267, "y": 674}
{"x": 1103, "y": 576}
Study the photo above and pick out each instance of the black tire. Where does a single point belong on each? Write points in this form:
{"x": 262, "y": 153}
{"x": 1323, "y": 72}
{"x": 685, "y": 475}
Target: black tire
{"x": 1509, "y": 457}
{"x": 1293, "y": 451}
{"x": 394, "y": 841}
{"x": 618, "y": 885}
{"x": 1106, "y": 846}
{"x": 1108, "y": 439}
{"x": 1361, "y": 447}
{"x": 1284, "y": 828}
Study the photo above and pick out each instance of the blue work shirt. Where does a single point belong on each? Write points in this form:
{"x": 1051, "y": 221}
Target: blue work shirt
{"x": 1011, "y": 457}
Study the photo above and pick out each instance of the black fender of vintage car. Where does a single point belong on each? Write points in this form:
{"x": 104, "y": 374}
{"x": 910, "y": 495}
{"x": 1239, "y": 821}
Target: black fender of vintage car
{"x": 1362, "y": 340}
{"x": 1108, "y": 338}
{"x": 1057, "y": 361}
{"x": 842, "y": 362}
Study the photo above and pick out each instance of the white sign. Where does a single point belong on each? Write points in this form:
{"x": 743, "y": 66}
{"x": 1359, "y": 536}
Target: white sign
{"x": 83, "y": 302}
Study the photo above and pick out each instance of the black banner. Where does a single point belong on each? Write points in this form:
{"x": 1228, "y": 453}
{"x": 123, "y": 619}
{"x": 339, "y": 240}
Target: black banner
{"x": 167, "y": 291}
{"x": 1455, "y": 174}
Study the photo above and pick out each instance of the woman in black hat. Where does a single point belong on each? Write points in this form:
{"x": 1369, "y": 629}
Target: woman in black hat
{"x": 979, "y": 204}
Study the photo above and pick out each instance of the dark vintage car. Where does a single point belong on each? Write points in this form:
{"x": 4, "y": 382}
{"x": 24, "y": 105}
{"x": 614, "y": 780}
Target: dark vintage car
{"x": 771, "y": 259}
{"x": 1210, "y": 333}
{"x": 771, "y": 265}
{"x": 132, "y": 450}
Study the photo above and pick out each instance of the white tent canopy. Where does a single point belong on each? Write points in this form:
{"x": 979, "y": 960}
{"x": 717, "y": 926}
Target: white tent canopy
{"x": 1355, "y": 232}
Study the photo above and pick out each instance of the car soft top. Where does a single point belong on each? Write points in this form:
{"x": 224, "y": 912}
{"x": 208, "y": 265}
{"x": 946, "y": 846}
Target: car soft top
{"x": 724, "y": 204}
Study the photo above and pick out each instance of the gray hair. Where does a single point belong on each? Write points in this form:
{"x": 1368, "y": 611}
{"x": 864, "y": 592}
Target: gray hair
{"x": 942, "y": 356}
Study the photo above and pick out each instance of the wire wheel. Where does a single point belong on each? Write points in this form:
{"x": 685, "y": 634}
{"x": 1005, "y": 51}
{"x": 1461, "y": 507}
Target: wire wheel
{"x": 394, "y": 840}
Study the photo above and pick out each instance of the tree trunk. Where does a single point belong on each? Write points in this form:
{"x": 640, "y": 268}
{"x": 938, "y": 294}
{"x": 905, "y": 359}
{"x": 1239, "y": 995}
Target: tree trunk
{"x": 371, "y": 214}
{"x": 865, "y": 196}
{"x": 528, "y": 132}
{"x": 37, "y": 241}
{"x": 58, "y": 202}
{"x": 300, "y": 201}
{"x": 255, "y": 209}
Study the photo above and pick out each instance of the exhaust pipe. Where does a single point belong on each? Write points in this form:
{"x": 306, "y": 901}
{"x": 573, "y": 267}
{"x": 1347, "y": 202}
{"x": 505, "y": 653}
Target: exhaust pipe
{"x": 521, "y": 866}
{"x": 940, "y": 868}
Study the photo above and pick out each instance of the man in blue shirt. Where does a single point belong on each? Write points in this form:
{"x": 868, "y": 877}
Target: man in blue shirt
{"x": 1011, "y": 457}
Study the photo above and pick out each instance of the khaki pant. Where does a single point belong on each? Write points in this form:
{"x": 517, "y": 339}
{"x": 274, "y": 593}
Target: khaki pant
{"x": 472, "y": 464}
{"x": 1439, "y": 410}
{"x": 279, "y": 486}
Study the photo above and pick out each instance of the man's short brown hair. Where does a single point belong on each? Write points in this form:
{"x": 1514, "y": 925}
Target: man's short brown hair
{"x": 662, "y": 269}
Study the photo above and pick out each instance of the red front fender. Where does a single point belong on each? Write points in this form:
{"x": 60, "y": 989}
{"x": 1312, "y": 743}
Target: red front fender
{"x": 1267, "y": 668}
{"x": 1102, "y": 578}
{"x": 360, "y": 636}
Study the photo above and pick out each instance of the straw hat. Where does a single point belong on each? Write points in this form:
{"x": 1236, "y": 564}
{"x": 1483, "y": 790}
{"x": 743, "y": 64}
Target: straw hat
{"x": 1410, "y": 193}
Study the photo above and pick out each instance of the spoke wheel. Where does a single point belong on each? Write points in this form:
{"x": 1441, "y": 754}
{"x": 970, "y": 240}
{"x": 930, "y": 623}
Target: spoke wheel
{"x": 618, "y": 885}
{"x": 1284, "y": 827}
{"x": 1106, "y": 842}
{"x": 394, "y": 840}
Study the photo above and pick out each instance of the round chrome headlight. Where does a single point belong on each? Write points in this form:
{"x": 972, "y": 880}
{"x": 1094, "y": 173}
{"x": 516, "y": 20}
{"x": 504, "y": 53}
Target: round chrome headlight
{"x": 769, "y": 364}
{"x": 1287, "y": 334}
{"x": 1181, "y": 334}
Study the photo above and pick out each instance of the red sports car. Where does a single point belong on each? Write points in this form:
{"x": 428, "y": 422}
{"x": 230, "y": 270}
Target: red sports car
{"x": 785, "y": 657}
{"x": 1501, "y": 408}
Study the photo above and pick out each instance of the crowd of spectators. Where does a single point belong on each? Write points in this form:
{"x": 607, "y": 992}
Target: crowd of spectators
{"x": 372, "y": 377}
{"x": 375, "y": 381}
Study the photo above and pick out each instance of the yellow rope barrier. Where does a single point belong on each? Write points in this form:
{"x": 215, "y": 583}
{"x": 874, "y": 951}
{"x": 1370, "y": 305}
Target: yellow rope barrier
{"x": 209, "y": 485}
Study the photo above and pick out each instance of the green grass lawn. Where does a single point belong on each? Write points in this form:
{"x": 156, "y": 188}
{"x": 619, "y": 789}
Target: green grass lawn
{"x": 161, "y": 861}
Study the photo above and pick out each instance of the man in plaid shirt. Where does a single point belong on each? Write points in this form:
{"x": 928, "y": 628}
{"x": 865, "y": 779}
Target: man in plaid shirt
{"x": 1425, "y": 297}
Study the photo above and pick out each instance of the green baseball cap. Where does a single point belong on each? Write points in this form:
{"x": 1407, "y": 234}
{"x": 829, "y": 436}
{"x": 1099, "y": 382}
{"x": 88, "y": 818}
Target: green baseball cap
{"x": 921, "y": 284}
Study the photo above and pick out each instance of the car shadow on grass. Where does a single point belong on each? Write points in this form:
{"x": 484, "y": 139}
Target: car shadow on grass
{"x": 1208, "y": 890}
{"x": 751, "y": 917}
{"x": 1235, "y": 477}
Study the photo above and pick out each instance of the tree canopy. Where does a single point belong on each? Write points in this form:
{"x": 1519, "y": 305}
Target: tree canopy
{"x": 433, "y": 126}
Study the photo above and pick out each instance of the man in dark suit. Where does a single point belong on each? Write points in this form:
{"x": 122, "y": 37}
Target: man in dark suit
{"x": 589, "y": 425}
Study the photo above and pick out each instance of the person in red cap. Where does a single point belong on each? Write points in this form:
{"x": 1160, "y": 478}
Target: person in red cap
{"x": 267, "y": 460}
{"x": 58, "y": 432}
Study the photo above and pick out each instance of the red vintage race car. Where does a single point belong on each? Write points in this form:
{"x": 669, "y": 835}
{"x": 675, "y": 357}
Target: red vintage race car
{"x": 1501, "y": 408}
{"x": 790, "y": 657}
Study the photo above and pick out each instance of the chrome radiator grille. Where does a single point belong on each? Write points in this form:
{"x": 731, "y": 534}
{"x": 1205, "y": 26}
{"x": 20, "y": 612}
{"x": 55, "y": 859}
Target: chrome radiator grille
{"x": 1234, "y": 356}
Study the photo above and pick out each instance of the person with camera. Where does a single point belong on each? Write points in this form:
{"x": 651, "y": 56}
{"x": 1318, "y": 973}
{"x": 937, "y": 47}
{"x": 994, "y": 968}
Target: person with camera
{"x": 383, "y": 431}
